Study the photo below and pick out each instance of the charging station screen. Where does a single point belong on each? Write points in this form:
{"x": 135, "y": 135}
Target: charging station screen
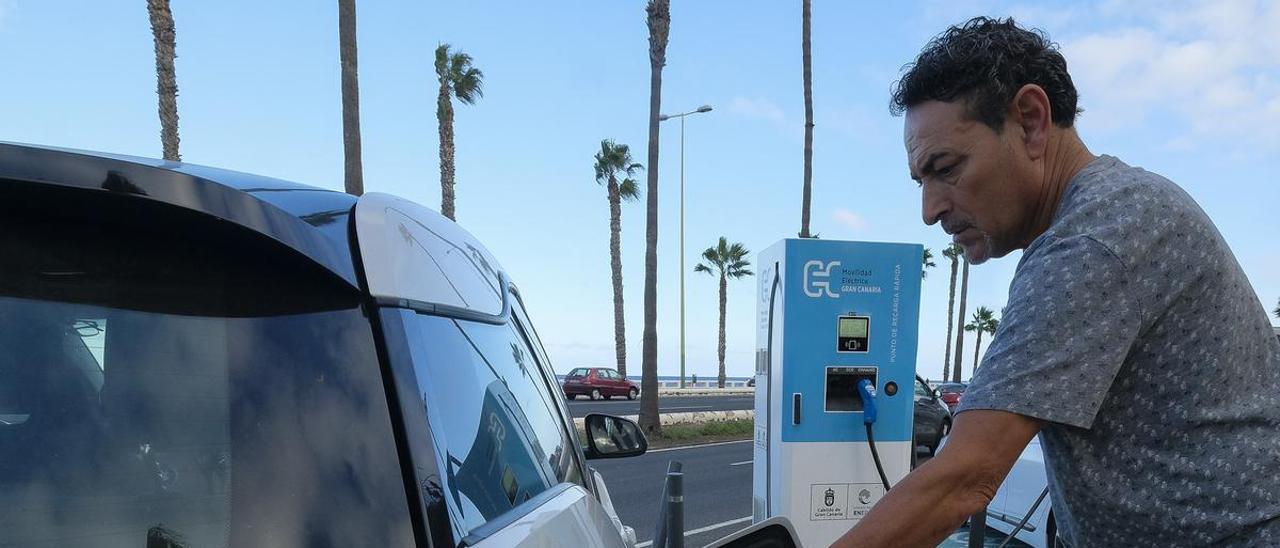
{"x": 851, "y": 333}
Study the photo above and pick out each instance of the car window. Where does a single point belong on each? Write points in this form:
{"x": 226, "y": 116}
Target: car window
{"x": 609, "y": 374}
{"x": 157, "y": 393}
{"x": 579, "y": 372}
{"x": 494, "y": 417}
{"x": 922, "y": 391}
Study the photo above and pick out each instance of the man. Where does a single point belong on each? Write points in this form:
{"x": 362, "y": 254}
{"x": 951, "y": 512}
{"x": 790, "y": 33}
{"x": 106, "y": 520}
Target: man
{"x": 1132, "y": 342}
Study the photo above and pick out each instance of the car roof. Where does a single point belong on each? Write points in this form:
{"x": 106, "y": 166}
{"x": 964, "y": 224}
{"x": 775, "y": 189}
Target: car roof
{"x": 309, "y": 220}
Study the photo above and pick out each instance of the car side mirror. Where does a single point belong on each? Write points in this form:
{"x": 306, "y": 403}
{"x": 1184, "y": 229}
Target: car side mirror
{"x": 775, "y": 532}
{"x": 610, "y": 437}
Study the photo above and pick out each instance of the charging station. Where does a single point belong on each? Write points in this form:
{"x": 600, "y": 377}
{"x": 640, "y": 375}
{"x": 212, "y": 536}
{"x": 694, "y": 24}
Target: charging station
{"x": 835, "y": 371}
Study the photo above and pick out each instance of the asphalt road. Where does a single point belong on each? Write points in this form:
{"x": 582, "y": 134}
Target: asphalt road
{"x": 668, "y": 404}
{"x": 717, "y": 492}
{"x": 717, "y": 489}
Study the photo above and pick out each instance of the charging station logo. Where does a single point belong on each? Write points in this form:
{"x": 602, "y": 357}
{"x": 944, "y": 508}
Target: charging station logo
{"x": 817, "y": 279}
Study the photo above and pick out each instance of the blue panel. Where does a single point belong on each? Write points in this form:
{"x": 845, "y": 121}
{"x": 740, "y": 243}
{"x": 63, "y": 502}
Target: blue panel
{"x": 827, "y": 279}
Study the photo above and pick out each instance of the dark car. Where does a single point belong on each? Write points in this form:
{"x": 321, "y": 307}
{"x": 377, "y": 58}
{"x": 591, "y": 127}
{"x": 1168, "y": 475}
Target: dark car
{"x": 951, "y": 393}
{"x": 932, "y": 418}
{"x": 598, "y": 383}
{"x": 197, "y": 357}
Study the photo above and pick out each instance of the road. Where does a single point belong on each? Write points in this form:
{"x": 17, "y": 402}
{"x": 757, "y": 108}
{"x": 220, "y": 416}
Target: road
{"x": 667, "y": 404}
{"x": 717, "y": 489}
{"x": 717, "y": 492}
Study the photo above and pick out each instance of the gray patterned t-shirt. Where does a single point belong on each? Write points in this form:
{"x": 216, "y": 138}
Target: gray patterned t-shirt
{"x": 1134, "y": 334}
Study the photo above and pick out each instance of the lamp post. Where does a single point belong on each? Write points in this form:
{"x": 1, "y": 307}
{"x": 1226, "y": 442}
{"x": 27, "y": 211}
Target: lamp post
{"x": 663, "y": 118}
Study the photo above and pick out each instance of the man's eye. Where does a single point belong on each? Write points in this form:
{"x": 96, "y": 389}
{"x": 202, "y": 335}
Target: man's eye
{"x": 945, "y": 171}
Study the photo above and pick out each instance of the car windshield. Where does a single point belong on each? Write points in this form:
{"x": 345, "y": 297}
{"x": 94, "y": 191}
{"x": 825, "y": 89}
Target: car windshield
{"x": 580, "y": 372}
{"x": 154, "y": 392}
{"x": 951, "y": 388}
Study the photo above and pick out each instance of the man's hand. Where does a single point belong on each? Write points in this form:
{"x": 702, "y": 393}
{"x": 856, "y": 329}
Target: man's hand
{"x": 935, "y": 499}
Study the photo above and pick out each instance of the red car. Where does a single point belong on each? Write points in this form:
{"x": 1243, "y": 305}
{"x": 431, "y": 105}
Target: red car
{"x": 598, "y": 383}
{"x": 951, "y": 393}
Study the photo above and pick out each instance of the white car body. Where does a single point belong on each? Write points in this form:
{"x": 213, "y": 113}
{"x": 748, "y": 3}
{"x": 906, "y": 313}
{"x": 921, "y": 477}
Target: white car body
{"x": 1018, "y": 494}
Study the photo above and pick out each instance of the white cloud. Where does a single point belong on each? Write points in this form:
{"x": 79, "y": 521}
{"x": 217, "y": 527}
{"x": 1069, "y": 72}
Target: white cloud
{"x": 850, "y": 219}
{"x": 1213, "y": 65}
{"x": 762, "y": 109}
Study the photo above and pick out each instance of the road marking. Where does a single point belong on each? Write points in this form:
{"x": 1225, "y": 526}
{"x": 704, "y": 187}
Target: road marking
{"x": 696, "y": 446}
{"x": 690, "y": 407}
{"x": 739, "y": 463}
{"x": 701, "y": 530}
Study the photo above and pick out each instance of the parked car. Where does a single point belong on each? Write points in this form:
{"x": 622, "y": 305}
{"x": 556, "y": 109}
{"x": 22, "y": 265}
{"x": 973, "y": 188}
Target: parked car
{"x": 932, "y": 418}
{"x": 598, "y": 383}
{"x": 1016, "y": 497}
{"x": 197, "y": 357}
{"x": 951, "y": 393}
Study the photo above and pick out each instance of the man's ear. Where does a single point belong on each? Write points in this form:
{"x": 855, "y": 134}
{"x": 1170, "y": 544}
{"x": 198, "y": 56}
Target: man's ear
{"x": 1031, "y": 112}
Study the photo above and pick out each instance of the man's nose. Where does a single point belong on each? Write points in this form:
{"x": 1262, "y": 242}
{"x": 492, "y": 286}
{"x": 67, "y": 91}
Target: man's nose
{"x": 934, "y": 203}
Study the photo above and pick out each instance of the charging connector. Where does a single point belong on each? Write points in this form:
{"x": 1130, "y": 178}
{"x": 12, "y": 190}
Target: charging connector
{"x": 867, "y": 392}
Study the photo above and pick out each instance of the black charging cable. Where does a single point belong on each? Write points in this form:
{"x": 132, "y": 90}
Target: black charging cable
{"x": 867, "y": 392}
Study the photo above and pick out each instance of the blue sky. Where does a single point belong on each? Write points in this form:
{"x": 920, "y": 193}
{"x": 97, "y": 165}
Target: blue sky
{"x": 1190, "y": 90}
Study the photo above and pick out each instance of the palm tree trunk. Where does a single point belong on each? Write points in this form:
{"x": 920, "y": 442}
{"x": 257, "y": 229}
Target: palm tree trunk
{"x": 615, "y": 264}
{"x": 951, "y": 306}
{"x": 165, "y": 37}
{"x": 659, "y": 22}
{"x": 964, "y": 293}
{"x": 353, "y": 169}
{"x": 976, "y": 347}
{"x": 807, "y": 60}
{"x": 724, "y": 287}
{"x": 444, "y": 115}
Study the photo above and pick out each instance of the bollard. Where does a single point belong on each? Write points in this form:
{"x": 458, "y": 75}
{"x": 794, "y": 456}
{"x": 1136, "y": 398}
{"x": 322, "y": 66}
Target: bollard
{"x": 675, "y": 509}
{"x": 978, "y": 528}
{"x": 660, "y": 530}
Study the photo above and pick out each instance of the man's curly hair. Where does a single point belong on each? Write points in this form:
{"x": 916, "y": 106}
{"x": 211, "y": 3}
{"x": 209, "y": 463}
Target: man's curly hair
{"x": 985, "y": 62}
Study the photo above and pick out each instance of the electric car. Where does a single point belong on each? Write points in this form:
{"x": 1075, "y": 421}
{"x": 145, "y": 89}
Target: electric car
{"x": 197, "y": 357}
{"x": 1017, "y": 496}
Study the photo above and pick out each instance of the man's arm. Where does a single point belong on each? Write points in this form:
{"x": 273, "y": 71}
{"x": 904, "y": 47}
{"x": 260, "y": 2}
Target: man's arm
{"x": 935, "y": 499}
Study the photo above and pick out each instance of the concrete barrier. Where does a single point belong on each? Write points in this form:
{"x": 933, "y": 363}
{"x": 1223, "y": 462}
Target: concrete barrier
{"x": 705, "y": 391}
{"x": 695, "y": 417}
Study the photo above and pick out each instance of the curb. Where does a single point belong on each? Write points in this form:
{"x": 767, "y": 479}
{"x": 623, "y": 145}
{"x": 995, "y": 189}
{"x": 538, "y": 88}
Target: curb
{"x": 691, "y": 418}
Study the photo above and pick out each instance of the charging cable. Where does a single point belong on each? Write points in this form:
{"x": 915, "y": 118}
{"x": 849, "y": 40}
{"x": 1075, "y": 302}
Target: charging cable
{"x": 867, "y": 392}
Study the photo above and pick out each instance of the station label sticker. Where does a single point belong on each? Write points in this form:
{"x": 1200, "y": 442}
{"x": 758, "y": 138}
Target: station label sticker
{"x": 842, "y": 501}
{"x": 828, "y": 501}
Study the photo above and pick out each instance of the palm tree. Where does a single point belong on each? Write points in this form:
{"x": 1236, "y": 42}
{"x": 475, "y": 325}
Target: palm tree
{"x": 164, "y": 35}
{"x": 658, "y": 19}
{"x": 952, "y": 252}
{"x": 807, "y": 61}
{"x": 927, "y": 259}
{"x": 1277, "y": 310}
{"x": 730, "y": 261}
{"x": 457, "y": 79}
{"x": 610, "y": 161}
{"x": 964, "y": 293}
{"x": 353, "y": 169}
{"x": 984, "y": 321}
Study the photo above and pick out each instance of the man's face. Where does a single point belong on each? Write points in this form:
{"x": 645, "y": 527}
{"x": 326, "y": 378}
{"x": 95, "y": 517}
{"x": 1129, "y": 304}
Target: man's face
{"x": 980, "y": 184}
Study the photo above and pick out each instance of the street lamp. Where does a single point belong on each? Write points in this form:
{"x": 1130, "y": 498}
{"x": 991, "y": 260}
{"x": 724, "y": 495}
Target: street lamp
{"x": 663, "y": 118}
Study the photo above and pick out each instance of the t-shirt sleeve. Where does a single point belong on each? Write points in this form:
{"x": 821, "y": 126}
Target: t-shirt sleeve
{"x": 1071, "y": 320}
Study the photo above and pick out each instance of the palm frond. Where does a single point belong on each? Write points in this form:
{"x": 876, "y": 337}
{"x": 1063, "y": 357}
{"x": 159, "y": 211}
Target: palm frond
{"x": 470, "y": 86}
{"x": 629, "y": 190}
{"x": 712, "y": 257}
{"x": 442, "y": 62}
{"x": 702, "y": 268}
